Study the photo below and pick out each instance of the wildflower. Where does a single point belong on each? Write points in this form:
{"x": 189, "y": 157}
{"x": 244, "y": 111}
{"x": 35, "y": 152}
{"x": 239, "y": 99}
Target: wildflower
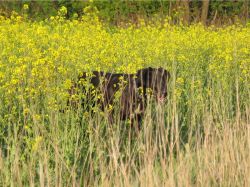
{"x": 37, "y": 143}
{"x": 25, "y": 7}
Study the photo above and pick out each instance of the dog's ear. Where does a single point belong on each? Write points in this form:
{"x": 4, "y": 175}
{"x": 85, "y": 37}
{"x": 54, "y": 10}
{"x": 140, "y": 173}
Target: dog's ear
{"x": 144, "y": 77}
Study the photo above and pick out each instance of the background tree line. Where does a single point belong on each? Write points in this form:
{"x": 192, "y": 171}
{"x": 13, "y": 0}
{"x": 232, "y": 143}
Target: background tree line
{"x": 119, "y": 12}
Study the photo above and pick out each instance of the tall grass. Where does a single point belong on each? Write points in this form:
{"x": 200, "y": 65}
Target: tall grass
{"x": 200, "y": 136}
{"x": 71, "y": 150}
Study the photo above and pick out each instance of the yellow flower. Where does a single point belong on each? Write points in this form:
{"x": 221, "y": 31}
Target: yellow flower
{"x": 25, "y": 6}
{"x": 37, "y": 143}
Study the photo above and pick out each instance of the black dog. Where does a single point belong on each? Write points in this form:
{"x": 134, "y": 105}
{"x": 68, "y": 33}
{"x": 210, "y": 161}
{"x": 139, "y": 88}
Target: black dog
{"x": 130, "y": 91}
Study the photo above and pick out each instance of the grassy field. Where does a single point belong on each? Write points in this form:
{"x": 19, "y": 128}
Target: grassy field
{"x": 200, "y": 137}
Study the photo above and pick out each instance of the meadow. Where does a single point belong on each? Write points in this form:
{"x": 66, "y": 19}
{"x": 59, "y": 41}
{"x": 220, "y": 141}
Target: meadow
{"x": 200, "y": 137}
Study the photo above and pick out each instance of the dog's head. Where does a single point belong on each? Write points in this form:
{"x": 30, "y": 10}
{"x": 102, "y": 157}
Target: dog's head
{"x": 154, "y": 79}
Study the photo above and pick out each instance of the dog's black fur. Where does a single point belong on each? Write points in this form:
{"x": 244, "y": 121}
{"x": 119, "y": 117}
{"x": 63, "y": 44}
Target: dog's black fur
{"x": 131, "y": 91}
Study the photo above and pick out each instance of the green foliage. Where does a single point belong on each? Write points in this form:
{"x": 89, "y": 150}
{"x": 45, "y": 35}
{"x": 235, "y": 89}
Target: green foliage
{"x": 227, "y": 8}
{"x": 124, "y": 11}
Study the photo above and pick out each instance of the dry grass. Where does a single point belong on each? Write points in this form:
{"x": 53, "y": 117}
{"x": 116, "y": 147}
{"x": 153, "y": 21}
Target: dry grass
{"x": 68, "y": 152}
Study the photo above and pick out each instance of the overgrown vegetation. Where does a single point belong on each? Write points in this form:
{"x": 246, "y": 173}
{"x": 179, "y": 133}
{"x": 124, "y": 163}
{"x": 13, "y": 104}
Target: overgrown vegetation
{"x": 121, "y": 12}
{"x": 200, "y": 137}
